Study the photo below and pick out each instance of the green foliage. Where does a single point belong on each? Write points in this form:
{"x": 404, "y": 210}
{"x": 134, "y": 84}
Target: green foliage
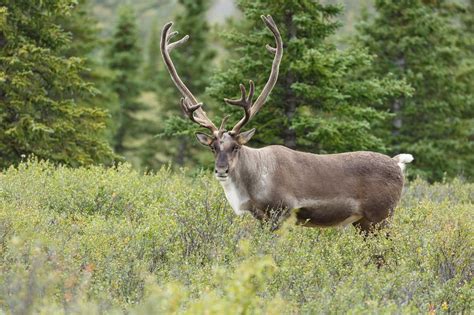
{"x": 125, "y": 58}
{"x": 323, "y": 100}
{"x": 84, "y": 31}
{"x": 152, "y": 65}
{"x": 421, "y": 42}
{"x": 40, "y": 87}
{"x": 95, "y": 240}
{"x": 82, "y": 28}
{"x": 147, "y": 12}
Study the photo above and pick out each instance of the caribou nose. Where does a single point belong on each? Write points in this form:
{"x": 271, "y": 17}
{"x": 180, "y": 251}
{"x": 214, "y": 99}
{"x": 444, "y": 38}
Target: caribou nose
{"x": 221, "y": 171}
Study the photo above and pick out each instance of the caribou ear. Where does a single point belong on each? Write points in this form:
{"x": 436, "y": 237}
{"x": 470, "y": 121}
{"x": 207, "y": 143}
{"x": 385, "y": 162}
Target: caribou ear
{"x": 204, "y": 139}
{"x": 244, "y": 137}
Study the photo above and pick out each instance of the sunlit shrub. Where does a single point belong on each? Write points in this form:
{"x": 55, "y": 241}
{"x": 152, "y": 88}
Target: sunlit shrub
{"x": 95, "y": 240}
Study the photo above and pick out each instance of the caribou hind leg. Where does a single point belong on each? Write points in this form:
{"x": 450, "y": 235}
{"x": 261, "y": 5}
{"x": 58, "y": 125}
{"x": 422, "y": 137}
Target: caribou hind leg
{"x": 367, "y": 228}
{"x": 364, "y": 226}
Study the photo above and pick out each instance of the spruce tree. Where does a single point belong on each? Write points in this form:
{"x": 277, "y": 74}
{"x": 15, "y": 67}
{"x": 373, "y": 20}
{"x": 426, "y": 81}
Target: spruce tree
{"x": 465, "y": 76}
{"x": 324, "y": 98}
{"x": 152, "y": 65}
{"x": 82, "y": 28}
{"x": 39, "y": 89}
{"x": 468, "y": 20}
{"x": 124, "y": 59}
{"x": 86, "y": 43}
{"x": 418, "y": 41}
{"x": 194, "y": 64}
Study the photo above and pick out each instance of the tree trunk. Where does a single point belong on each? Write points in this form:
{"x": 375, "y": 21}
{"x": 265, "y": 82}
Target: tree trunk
{"x": 119, "y": 139}
{"x": 397, "y": 106}
{"x": 289, "y": 134}
{"x": 181, "y": 154}
{"x": 397, "y": 120}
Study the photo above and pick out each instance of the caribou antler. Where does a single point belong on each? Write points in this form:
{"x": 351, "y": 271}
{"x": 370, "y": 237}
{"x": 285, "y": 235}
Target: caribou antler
{"x": 246, "y": 101}
{"x": 191, "y": 107}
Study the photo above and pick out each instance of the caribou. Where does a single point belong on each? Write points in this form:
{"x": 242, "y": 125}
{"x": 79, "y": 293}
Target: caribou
{"x": 360, "y": 188}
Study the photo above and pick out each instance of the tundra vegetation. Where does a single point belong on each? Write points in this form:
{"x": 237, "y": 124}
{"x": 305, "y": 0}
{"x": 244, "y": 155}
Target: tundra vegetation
{"x": 94, "y": 240}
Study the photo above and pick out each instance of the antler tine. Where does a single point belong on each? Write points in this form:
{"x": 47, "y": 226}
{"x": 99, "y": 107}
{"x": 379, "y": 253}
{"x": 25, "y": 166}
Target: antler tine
{"x": 246, "y": 102}
{"x": 177, "y": 43}
{"x": 270, "y": 49}
{"x": 191, "y": 107}
{"x": 244, "y": 99}
{"x": 222, "y": 127}
{"x": 170, "y": 36}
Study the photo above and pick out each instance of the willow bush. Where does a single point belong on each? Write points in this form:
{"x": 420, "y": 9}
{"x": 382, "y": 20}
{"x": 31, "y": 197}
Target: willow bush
{"x": 111, "y": 240}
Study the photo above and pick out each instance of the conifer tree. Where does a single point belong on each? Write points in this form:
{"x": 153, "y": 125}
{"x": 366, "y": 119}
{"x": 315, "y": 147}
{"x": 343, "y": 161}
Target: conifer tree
{"x": 419, "y": 42}
{"x": 465, "y": 76}
{"x": 124, "y": 58}
{"x": 39, "y": 88}
{"x": 152, "y": 65}
{"x": 153, "y": 149}
{"x": 81, "y": 26}
{"x": 468, "y": 20}
{"x": 323, "y": 100}
{"x": 84, "y": 31}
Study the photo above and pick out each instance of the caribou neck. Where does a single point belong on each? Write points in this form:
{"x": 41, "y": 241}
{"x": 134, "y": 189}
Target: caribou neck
{"x": 245, "y": 159}
{"x": 252, "y": 169}
{"x": 243, "y": 180}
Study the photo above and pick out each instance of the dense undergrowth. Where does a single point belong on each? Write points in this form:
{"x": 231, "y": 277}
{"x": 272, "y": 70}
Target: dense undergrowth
{"x": 101, "y": 240}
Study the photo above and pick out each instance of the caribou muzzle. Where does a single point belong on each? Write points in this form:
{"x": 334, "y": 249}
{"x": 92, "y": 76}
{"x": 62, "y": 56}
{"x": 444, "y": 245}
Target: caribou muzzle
{"x": 222, "y": 176}
{"x": 221, "y": 169}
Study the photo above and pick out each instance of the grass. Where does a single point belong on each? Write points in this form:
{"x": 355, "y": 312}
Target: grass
{"x": 96, "y": 240}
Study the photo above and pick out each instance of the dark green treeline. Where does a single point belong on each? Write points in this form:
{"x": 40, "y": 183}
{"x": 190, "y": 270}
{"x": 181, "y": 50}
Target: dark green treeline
{"x": 75, "y": 95}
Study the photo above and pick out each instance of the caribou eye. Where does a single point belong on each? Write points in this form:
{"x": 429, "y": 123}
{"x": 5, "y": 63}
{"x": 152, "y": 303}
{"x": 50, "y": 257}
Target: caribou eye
{"x": 235, "y": 148}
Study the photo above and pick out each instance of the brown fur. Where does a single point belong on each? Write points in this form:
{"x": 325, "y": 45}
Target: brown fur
{"x": 374, "y": 181}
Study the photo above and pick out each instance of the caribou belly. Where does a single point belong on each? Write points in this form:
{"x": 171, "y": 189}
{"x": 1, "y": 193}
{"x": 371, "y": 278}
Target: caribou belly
{"x": 337, "y": 211}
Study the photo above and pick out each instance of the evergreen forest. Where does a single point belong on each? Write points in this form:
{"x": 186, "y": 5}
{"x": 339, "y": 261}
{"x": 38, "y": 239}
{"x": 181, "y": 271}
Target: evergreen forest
{"x": 83, "y": 82}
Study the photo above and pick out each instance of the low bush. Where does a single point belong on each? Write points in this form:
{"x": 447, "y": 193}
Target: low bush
{"x": 111, "y": 240}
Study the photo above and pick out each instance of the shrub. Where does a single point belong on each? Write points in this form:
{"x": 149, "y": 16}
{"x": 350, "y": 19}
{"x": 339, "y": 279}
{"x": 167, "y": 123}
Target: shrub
{"x": 111, "y": 240}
